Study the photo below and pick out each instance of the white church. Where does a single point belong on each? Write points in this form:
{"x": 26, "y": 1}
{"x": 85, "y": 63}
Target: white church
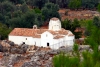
{"x": 54, "y": 37}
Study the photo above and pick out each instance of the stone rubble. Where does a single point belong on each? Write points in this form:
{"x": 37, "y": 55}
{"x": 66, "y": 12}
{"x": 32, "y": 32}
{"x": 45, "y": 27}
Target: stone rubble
{"x": 38, "y": 58}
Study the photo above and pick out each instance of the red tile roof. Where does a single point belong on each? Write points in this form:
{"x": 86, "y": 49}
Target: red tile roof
{"x": 54, "y": 18}
{"x": 36, "y": 32}
{"x": 58, "y": 36}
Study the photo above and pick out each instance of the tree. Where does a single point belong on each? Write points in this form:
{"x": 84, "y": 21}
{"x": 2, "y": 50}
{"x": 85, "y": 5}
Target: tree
{"x": 17, "y": 1}
{"x": 7, "y": 7}
{"x": 96, "y": 22}
{"x": 93, "y": 37}
{"x": 89, "y": 4}
{"x": 61, "y": 3}
{"x": 74, "y": 4}
{"x": 66, "y": 24}
{"x": 37, "y": 3}
{"x": 63, "y": 60}
{"x": 16, "y": 22}
{"x": 24, "y": 7}
{"x": 17, "y": 13}
{"x": 98, "y": 7}
{"x": 50, "y": 10}
{"x": 72, "y": 25}
{"x": 26, "y": 20}
{"x": 75, "y": 24}
{"x": 94, "y": 41}
{"x": 2, "y": 18}
{"x": 4, "y": 31}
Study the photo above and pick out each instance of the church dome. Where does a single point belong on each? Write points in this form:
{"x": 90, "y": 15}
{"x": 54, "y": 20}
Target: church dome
{"x": 54, "y": 24}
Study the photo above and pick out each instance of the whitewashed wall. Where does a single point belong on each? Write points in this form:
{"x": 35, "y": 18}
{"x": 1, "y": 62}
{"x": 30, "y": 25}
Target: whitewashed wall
{"x": 70, "y": 40}
{"x": 55, "y": 44}
{"x": 46, "y": 37}
{"x": 37, "y": 41}
{"x": 20, "y": 39}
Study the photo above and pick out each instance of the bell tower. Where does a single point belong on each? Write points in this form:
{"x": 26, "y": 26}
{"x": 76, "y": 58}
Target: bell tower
{"x": 54, "y": 24}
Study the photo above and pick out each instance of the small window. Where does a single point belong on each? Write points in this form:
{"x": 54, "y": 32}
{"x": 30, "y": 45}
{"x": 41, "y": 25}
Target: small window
{"x": 23, "y": 42}
{"x": 46, "y": 35}
{"x": 48, "y": 44}
{"x": 35, "y": 43}
{"x": 73, "y": 40}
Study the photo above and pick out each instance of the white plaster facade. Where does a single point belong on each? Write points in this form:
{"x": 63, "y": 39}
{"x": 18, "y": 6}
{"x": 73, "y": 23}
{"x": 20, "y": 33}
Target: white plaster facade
{"x": 54, "y": 37}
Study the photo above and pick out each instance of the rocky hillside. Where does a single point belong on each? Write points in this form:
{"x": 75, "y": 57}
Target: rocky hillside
{"x": 21, "y": 56}
{"x": 79, "y": 14}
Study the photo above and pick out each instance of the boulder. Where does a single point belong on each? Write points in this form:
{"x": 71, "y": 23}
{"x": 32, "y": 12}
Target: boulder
{"x": 84, "y": 47}
{"x": 65, "y": 49}
{"x": 52, "y": 52}
{"x": 5, "y": 49}
{"x": 38, "y": 63}
{"x": 20, "y": 51}
{"x": 46, "y": 57}
{"x": 1, "y": 48}
{"x": 13, "y": 50}
{"x": 35, "y": 58}
{"x": 24, "y": 47}
{"x": 11, "y": 43}
{"x": 27, "y": 64}
{"x": 13, "y": 59}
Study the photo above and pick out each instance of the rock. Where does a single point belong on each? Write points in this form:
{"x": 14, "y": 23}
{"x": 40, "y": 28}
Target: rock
{"x": 11, "y": 43}
{"x": 20, "y": 51}
{"x": 46, "y": 57}
{"x": 10, "y": 66}
{"x": 62, "y": 47}
{"x": 5, "y": 49}
{"x": 17, "y": 50}
{"x": 27, "y": 64}
{"x": 13, "y": 50}
{"x": 38, "y": 49}
{"x": 84, "y": 47}
{"x": 6, "y": 54}
{"x": 24, "y": 47}
{"x": 52, "y": 52}
{"x": 48, "y": 64}
{"x": 99, "y": 48}
{"x": 13, "y": 59}
{"x": 35, "y": 58}
{"x": 36, "y": 53}
{"x": 5, "y": 43}
{"x": 42, "y": 54}
{"x": 90, "y": 50}
{"x": 50, "y": 59}
{"x": 1, "y": 48}
{"x": 38, "y": 63}
{"x": 65, "y": 49}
